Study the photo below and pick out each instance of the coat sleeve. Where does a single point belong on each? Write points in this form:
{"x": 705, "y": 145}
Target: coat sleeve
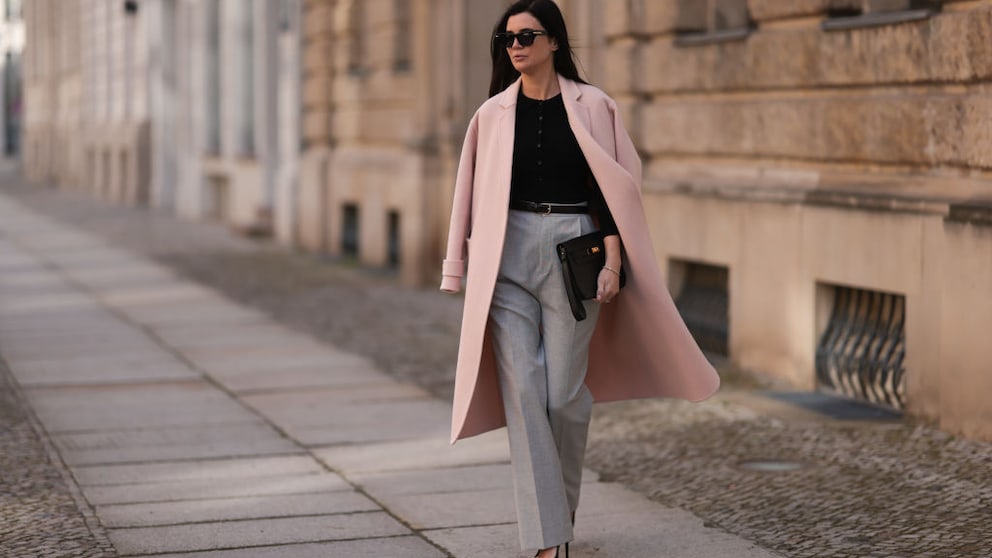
{"x": 453, "y": 267}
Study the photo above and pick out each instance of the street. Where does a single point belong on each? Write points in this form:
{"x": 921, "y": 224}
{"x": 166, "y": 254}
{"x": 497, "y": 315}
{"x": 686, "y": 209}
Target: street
{"x": 214, "y": 396}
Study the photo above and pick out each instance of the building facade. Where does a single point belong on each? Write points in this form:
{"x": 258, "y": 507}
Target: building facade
{"x": 11, "y": 48}
{"x": 817, "y": 172}
{"x": 87, "y": 121}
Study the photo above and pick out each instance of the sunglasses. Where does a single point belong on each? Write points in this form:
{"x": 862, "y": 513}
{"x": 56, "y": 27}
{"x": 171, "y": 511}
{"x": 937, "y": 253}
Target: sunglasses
{"x": 525, "y": 38}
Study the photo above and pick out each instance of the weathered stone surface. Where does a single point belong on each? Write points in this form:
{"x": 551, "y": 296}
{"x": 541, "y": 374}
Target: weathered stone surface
{"x": 777, "y": 9}
{"x": 620, "y": 17}
{"x": 865, "y": 129}
{"x": 959, "y": 130}
{"x": 622, "y": 71}
{"x": 661, "y": 16}
{"x": 946, "y": 48}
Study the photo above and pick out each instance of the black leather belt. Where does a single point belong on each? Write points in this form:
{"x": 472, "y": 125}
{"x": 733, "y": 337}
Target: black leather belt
{"x": 547, "y": 208}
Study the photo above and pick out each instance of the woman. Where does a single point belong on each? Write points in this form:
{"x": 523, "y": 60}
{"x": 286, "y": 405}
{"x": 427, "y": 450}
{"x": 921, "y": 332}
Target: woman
{"x": 546, "y": 159}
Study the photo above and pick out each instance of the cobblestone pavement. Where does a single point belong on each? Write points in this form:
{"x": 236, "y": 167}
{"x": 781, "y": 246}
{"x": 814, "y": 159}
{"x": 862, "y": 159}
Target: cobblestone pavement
{"x": 39, "y": 516}
{"x": 863, "y": 489}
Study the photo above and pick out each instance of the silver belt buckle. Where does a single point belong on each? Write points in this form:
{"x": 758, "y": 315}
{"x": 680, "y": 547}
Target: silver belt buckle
{"x": 548, "y": 212}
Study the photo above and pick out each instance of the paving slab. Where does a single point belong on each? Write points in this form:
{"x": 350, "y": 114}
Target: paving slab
{"x": 125, "y": 369}
{"x": 229, "y": 509}
{"x": 233, "y": 468}
{"x": 416, "y": 454}
{"x": 490, "y": 541}
{"x": 327, "y": 359}
{"x": 166, "y": 313}
{"x": 242, "y": 534}
{"x": 391, "y": 547}
{"x": 378, "y": 404}
{"x": 166, "y": 293}
{"x": 272, "y": 445}
{"x": 454, "y": 509}
{"x": 159, "y": 437}
{"x": 199, "y": 489}
{"x": 261, "y": 349}
{"x": 244, "y": 334}
{"x": 443, "y": 480}
{"x": 306, "y": 378}
{"x": 51, "y": 303}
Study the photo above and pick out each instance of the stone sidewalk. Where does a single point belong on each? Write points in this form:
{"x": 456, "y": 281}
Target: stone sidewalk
{"x": 195, "y": 426}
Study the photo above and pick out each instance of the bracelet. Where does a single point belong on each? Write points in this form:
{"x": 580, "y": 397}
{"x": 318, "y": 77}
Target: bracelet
{"x": 608, "y": 268}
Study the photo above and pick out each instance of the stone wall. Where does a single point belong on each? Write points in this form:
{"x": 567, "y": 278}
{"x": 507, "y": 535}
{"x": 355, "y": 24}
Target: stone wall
{"x": 821, "y": 143}
{"x": 388, "y": 88}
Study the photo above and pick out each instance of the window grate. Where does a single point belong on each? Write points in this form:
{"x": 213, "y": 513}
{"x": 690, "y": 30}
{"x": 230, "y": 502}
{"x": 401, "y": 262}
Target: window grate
{"x": 860, "y": 355}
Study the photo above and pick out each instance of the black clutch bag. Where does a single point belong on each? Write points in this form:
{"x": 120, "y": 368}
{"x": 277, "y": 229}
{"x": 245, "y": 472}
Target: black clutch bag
{"x": 582, "y": 259}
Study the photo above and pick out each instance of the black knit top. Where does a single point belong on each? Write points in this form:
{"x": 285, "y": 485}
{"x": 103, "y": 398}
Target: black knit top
{"x": 548, "y": 165}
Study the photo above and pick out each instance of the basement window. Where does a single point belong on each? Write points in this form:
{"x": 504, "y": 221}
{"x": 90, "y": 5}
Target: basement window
{"x": 394, "y": 239}
{"x": 862, "y": 344}
{"x": 858, "y": 14}
{"x": 701, "y": 296}
{"x": 349, "y": 231}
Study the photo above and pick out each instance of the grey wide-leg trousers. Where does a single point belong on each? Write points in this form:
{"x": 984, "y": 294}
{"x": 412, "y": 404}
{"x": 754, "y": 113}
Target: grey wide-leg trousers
{"x": 542, "y": 354}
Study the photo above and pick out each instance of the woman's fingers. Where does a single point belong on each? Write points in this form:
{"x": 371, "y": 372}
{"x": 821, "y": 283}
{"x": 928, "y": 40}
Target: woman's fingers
{"x": 607, "y": 286}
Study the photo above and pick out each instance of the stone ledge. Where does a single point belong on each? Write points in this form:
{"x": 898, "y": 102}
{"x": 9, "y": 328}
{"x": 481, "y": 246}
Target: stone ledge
{"x": 869, "y": 198}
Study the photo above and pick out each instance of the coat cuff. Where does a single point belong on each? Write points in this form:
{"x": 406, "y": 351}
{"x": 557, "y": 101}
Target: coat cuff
{"x": 454, "y": 268}
{"x": 451, "y": 275}
{"x": 451, "y": 284}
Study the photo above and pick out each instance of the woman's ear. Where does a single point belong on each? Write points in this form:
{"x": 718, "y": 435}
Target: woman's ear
{"x": 554, "y": 45}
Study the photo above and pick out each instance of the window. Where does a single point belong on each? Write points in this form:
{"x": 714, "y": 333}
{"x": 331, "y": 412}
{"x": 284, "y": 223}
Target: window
{"x": 349, "y": 231}
{"x": 212, "y": 68}
{"x": 403, "y": 38}
{"x": 393, "y": 237}
{"x": 712, "y": 21}
{"x": 12, "y": 10}
{"x": 702, "y": 297}
{"x": 861, "y": 351}
{"x": 855, "y": 14}
{"x": 356, "y": 38}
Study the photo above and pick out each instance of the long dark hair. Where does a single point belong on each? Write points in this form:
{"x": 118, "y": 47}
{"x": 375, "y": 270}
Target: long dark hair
{"x": 547, "y": 12}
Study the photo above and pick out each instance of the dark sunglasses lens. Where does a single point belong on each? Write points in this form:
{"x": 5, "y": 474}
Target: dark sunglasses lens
{"x": 525, "y": 39}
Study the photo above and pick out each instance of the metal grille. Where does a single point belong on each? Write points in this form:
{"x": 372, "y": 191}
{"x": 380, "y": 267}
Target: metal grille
{"x": 703, "y": 306}
{"x": 860, "y": 354}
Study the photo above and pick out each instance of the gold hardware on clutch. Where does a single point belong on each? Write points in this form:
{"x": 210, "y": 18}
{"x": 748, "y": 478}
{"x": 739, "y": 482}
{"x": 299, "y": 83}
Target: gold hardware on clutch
{"x": 594, "y": 250}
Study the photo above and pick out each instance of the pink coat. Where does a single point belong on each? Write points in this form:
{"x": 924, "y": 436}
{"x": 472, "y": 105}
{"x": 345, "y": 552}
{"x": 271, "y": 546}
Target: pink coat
{"x": 641, "y": 348}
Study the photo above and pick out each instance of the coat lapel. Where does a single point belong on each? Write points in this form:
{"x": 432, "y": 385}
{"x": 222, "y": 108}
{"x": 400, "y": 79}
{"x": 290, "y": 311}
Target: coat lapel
{"x": 581, "y": 122}
{"x": 507, "y": 132}
{"x": 578, "y": 112}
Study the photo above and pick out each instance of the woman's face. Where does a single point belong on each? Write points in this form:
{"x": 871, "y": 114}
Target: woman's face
{"x": 536, "y": 57}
